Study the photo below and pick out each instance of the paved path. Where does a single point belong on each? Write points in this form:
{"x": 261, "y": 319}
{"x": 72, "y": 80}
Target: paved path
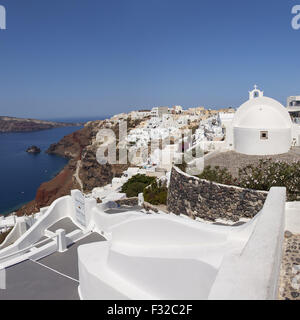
{"x": 65, "y": 223}
{"x": 31, "y": 281}
{"x": 54, "y": 277}
{"x": 67, "y": 262}
{"x": 76, "y": 175}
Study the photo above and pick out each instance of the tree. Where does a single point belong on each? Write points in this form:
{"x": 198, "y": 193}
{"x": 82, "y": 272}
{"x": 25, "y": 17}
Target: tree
{"x": 136, "y": 185}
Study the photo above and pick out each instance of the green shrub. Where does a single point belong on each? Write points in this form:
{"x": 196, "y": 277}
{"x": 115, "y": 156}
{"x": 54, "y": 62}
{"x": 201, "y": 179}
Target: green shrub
{"x": 156, "y": 193}
{"x": 217, "y": 175}
{"x": 262, "y": 176}
{"x": 267, "y": 174}
{"x": 136, "y": 185}
{"x": 182, "y": 166}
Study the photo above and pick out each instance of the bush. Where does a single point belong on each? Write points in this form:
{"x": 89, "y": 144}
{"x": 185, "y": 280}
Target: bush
{"x": 136, "y": 185}
{"x": 182, "y": 166}
{"x": 269, "y": 174}
{"x": 217, "y": 175}
{"x": 156, "y": 193}
{"x": 261, "y": 176}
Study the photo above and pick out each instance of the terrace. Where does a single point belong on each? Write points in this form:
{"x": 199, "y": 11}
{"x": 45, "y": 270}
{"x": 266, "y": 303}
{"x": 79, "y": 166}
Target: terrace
{"x": 83, "y": 250}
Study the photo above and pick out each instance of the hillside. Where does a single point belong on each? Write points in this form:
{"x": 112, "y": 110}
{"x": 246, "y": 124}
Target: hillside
{"x": 11, "y": 124}
{"x": 83, "y": 170}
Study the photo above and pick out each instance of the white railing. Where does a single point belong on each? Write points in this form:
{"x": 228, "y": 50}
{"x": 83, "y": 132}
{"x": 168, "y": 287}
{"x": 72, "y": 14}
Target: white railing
{"x": 26, "y": 249}
{"x": 8, "y": 260}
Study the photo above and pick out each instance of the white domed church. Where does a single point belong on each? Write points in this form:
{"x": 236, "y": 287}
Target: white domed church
{"x": 261, "y": 126}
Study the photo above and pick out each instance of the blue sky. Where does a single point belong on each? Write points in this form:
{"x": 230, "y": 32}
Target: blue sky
{"x": 73, "y": 58}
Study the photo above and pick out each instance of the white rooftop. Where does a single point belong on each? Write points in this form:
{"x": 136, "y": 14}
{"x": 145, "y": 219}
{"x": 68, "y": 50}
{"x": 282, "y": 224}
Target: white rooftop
{"x": 262, "y": 112}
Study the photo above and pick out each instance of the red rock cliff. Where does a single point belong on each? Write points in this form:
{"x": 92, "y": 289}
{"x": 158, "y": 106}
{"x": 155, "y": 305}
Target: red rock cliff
{"x": 80, "y": 149}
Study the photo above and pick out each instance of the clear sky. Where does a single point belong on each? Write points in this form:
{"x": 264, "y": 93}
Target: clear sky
{"x": 73, "y": 58}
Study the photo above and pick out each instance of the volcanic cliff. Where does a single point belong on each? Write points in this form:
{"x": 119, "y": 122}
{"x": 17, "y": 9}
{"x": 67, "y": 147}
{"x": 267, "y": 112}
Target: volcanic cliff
{"x": 83, "y": 171}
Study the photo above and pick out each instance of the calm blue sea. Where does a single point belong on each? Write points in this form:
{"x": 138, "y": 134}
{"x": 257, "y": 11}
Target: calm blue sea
{"x": 21, "y": 173}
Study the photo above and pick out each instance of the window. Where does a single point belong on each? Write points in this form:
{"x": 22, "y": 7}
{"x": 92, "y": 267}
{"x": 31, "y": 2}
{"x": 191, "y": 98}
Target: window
{"x": 264, "y": 135}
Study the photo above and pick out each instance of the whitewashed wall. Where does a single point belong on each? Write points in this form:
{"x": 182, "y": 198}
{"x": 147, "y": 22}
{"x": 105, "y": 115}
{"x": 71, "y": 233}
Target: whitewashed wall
{"x": 247, "y": 141}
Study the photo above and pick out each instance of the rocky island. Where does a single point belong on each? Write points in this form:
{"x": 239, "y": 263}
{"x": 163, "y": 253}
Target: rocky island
{"x": 12, "y": 124}
{"x": 33, "y": 149}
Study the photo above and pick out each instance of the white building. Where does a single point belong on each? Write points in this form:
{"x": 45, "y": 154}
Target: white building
{"x": 159, "y": 111}
{"x": 177, "y": 109}
{"x": 293, "y": 101}
{"x": 224, "y": 118}
{"x": 261, "y": 126}
{"x": 140, "y": 114}
{"x": 293, "y": 107}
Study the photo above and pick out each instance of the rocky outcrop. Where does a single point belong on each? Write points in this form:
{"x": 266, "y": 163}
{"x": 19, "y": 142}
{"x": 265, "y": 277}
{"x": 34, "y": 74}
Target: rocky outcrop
{"x": 10, "y": 124}
{"x": 33, "y": 149}
{"x": 59, "y": 186}
{"x": 80, "y": 147}
{"x": 130, "y": 202}
{"x": 93, "y": 174}
{"x": 71, "y": 146}
{"x": 208, "y": 200}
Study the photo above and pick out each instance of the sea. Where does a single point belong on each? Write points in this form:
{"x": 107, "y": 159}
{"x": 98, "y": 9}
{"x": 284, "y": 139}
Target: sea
{"x": 22, "y": 173}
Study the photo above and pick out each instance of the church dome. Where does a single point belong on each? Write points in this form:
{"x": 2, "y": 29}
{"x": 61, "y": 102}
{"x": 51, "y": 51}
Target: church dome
{"x": 262, "y": 126}
{"x": 262, "y": 113}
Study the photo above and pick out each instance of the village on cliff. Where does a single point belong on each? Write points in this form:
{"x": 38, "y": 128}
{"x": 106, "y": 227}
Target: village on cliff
{"x": 166, "y": 204}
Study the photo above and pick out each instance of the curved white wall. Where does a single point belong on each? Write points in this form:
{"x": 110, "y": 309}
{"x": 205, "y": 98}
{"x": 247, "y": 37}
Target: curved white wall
{"x": 146, "y": 258}
{"x": 12, "y": 237}
{"x": 253, "y": 274}
{"x": 248, "y": 141}
{"x": 60, "y": 208}
{"x": 166, "y": 278}
{"x": 163, "y": 230}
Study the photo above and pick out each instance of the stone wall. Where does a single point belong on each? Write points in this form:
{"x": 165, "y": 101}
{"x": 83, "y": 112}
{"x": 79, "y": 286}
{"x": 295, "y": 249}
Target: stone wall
{"x": 131, "y": 202}
{"x": 207, "y": 200}
{"x": 128, "y": 202}
{"x": 148, "y": 206}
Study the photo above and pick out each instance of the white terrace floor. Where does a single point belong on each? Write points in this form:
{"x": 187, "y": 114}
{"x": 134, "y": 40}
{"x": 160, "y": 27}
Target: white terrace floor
{"x": 54, "y": 277}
